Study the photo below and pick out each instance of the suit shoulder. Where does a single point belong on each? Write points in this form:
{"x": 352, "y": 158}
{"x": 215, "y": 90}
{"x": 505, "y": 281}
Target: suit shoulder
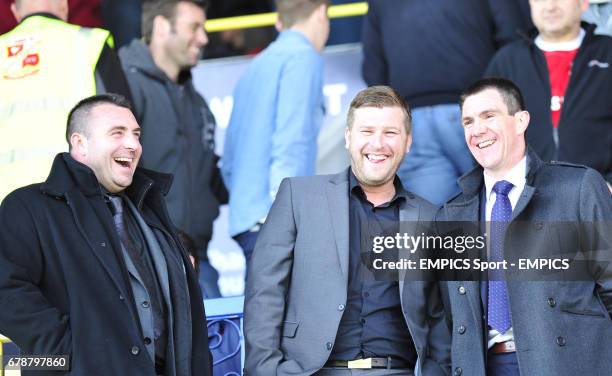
{"x": 422, "y": 203}
{"x": 25, "y": 194}
{"x": 556, "y": 172}
{"x": 566, "y": 168}
{"x": 22, "y": 198}
{"x": 309, "y": 180}
{"x": 507, "y": 56}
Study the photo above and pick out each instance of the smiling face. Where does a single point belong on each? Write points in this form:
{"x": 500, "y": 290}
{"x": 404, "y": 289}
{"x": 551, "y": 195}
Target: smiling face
{"x": 110, "y": 147}
{"x": 377, "y": 141}
{"x": 495, "y": 138}
{"x": 557, "y": 20}
{"x": 187, "y": 37}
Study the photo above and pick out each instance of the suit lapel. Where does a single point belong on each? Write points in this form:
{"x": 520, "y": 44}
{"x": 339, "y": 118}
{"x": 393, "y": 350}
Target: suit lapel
{"x": 338, "y": 201}
{"x": 91, "y": 218}
{"x": 526, "y": 196}
{"x": 408, "y": 215}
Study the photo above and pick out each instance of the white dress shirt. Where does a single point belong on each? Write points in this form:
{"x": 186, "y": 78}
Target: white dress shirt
{"x": 516, "y": 176}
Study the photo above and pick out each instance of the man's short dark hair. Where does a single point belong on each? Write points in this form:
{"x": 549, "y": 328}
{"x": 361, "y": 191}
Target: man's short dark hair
{"x": 379, "y": 96}
{"x": 164, "y": 8}
{"x": 510, "y": 93}
{"x": 77, "y": 118}
{"x": 291, "y": 12}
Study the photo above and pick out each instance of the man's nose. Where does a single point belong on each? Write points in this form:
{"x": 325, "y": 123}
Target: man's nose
{"x": 201, "y": 37}
{"x": 377, "y": 140}
{"x": 131, "y": 142}
{"x": 479, "y": 128}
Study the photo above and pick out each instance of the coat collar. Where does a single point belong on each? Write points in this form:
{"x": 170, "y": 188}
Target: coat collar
{"x": 472, "y": 182}
{"x": 530, "y": 36}
{"x": 67, "y": 174}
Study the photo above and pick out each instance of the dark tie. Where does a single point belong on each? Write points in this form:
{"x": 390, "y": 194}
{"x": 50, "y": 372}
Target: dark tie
{"x": 498, "y": 312}
{"x": 120, "y": 225}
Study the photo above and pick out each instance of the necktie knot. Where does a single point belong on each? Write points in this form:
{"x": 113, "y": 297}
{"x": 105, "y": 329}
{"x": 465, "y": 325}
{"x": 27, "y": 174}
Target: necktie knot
{"x": 502, "y": 187}
{"x": 116, "y": 205}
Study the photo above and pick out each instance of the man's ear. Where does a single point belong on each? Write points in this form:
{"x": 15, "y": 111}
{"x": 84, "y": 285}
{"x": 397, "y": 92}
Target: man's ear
{"x": 522, "y": 121}
{"x": 322, "y": 12}
{"x": 78, "y": 146}
{"x": 16, "y": 12}
{"x": 347, "y": 137}
{"x": 161, "y": 26}
{"x": 584, "y": 5}
{"x": 408, "y": 142}
{"x": 61, "y": 10}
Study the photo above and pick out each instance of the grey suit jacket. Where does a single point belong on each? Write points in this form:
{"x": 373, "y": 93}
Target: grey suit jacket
{"x": 297, "y": 285}
{"x": 561, "y": 327}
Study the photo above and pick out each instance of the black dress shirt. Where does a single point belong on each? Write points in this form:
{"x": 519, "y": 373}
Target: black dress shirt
{"x": 372, "y": 324}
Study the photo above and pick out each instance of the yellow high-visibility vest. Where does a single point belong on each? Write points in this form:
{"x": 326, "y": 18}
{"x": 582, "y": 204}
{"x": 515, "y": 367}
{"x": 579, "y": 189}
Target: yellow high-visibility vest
{"x": 46, "y": 67}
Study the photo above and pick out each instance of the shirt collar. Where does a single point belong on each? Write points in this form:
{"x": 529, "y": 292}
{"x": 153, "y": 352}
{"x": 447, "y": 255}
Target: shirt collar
{"x": 570, "y": 45}
{"x": 516, "y": 176}
{"x": 356, "y": 189}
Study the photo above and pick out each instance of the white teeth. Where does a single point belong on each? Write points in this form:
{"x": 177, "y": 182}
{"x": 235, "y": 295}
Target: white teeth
{"x": 123, "y": 159}
{"x": 484, "y": 144}
{"x": 376, "y": 157}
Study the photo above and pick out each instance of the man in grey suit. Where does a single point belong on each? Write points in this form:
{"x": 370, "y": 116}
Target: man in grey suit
{"x": 546, "y": 321}
{"x": 311, "y": 306}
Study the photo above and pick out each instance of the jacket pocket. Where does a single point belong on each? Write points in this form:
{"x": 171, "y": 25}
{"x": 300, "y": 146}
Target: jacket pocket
{"x": 582, "y": 312}
{"x": 290, "y": 328}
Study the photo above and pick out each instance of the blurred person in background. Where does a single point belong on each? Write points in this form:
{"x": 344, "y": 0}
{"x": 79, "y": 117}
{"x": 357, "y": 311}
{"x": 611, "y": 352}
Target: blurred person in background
{"x": 563, "y": 70}
{"x": 430, "y": 51}
{"x": 178, "y": 126}
{"x": 275, "y": 121}
{"x": 80, "y": 12}
{"x": 46, "y": 66}
{"x": 600, "y": 14}
{"x": 122, "y": 18}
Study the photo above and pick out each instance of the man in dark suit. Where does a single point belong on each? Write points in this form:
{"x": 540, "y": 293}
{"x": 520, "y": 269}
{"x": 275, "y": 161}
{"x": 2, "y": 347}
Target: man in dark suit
{"x": 312, "y": 307}
{"x": 540, "y": 322}
{"x": 92, "y": 267}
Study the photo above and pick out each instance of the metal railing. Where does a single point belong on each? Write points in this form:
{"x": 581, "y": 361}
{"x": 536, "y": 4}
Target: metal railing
{"x": 268, "y": 19}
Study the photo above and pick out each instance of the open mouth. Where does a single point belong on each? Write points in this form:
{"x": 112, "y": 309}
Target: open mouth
{"x": 376, "y": 158}
{"x": 124, "y": 161}
{"x": 485, "y": 144}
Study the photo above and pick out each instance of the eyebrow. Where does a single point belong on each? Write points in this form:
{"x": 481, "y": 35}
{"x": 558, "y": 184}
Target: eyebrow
{"x": 483, "y": 112}
{"x": 124, "y": 128}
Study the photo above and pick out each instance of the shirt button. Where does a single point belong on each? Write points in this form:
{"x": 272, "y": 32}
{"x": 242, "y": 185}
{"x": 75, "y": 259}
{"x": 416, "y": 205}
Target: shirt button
{"x": 328, "y": 345}
{"x": 145, "y": 304}
{"x": 461, "y": 329}
{"x": 121, "y": 297}
{"x": 552, "y": 302}
{"x": 362, "y": 321}
{"x": 341, "y": 307}
{"x": 560, "y": 341}
{"x": 135, "y": 350}
{"x": 461, "y": 290}
{"x": 147, "y": 340}
{"x": 458, "y": 371}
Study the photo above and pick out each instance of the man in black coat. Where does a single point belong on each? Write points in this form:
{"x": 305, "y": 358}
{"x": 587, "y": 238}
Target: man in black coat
{"x": 92, "y": 267}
